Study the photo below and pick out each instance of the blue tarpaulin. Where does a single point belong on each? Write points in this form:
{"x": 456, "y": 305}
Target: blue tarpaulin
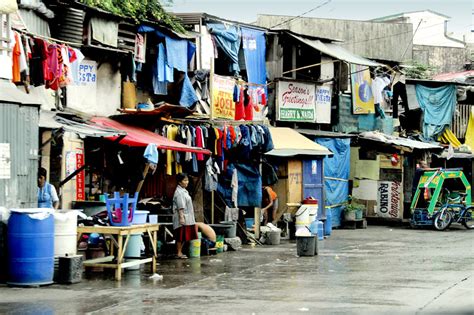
{"x": 336, "y": 175}
{"x": 228, "y": 38}
{"x": 253, "y": 43}
{"x": 438, "y": 106}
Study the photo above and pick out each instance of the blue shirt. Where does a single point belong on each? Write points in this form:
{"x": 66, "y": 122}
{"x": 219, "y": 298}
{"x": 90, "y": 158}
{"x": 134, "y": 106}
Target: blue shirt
{"x": 47, "y": 196}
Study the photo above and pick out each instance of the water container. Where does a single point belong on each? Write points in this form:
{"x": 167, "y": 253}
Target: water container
{"x": 220, "y": 244}
{"x": 65, "y": 232}
{"x": 305, "y": 245}
{"x": 305, "y": 215}
{"x": 133, "y": 249}
{"x": 328, "y": 223}
{"x": 139, "y": 217}
{"x": 231, "y": 230}
{"x": 320, "y": 230}
{"x": 313, "y": 227}
{"x": 249, "y": 222}
{"x": 30, "y": 247}
{"x": 195, "y": 248}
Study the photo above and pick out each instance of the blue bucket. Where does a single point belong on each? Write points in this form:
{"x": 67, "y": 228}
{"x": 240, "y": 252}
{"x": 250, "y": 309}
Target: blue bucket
{"x": 249, "y": 222}
{"x": 30, "y": 247}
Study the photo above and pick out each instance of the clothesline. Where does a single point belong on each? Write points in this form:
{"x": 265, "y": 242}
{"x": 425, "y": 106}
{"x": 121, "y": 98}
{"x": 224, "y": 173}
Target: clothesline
{"x": 219, "y": 121}
{"x": 46, "y": 38}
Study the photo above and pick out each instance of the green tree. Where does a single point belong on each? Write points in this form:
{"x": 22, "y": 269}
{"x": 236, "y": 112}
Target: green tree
{"x": 417, "y": 70}
{"x": 139, "y": 10}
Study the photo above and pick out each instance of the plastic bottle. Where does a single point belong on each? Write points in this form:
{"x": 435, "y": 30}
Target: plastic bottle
{"x": 313, "y": 227}
{"x": 328, "y": 223}
{"x": 320, "y": 230}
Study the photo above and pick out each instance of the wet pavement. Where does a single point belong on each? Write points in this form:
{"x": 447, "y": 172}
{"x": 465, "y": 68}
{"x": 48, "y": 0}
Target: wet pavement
{"x": 393, "y": 270}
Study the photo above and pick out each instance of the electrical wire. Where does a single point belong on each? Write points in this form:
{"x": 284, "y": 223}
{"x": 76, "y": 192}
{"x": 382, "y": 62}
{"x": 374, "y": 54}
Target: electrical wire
{"x": 300, "y": 15}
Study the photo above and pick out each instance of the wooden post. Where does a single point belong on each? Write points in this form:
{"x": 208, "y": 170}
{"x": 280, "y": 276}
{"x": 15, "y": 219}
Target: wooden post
{"x": 145, "y": 172}
{"x": 212, "y": 207}
{"x": 211, "y": 116}
{"x": 211, "y": 88}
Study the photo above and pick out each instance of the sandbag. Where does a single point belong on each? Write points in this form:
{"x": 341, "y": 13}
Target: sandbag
{"x": 129, "y": 95}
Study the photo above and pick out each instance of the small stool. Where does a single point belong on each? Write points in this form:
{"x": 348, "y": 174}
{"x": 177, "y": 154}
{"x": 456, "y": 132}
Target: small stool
{"x": 121, "y": 209}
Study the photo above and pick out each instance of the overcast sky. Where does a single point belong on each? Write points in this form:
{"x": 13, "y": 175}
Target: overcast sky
{"x": 460, "y": 11}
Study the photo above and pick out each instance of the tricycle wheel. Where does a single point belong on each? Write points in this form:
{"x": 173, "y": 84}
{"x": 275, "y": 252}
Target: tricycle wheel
{"x": 468, "y": 218}
{"x": 442, "y": 220}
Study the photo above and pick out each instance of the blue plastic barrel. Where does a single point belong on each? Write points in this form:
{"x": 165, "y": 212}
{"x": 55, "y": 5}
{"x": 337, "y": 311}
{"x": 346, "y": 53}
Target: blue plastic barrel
{"x": 30, "y": 247}
{"x": 328, "y": 223}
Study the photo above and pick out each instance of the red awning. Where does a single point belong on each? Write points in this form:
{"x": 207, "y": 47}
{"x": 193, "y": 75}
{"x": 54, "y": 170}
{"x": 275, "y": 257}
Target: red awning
{"x": 139, "y": 137}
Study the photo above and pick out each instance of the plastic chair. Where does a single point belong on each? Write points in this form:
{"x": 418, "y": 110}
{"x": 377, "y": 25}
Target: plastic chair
{"x": 121, "y": 209}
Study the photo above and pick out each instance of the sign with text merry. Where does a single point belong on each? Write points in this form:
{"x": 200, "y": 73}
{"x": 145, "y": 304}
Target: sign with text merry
{"x": 222, "y": 97}
{"x": 389, "y": 200}
{"x": 295, "y": 101}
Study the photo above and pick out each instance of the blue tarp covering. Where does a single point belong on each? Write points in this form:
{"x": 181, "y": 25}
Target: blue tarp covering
{"x": 253, "y": 43}
{"x": 438, "y": 106}
{"x": 228, "y": 38}
{"x": 336, "y": 175}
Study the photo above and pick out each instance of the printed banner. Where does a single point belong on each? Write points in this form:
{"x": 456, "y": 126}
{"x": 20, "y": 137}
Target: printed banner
{"x": 295, "y": 101}
{"x": 389, "y": 196}
{"x": 222, "y": 97}
{"x": 323, "y": 104}
{"x": 362, "y": 97}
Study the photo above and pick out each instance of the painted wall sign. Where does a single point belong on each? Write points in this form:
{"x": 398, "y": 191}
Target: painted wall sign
{"x": 323, "y": 104}
{"x": 296, "y": 101}
{"x": 362, "y": 98}
{"x": 389, "y": 196}
{"x": 87, "y": 73}
{"x": 222, "y": 97}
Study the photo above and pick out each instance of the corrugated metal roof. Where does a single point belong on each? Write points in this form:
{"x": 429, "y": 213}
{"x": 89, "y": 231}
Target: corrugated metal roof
{"x": 34, "y": 23}
{"x": 456, "y": 155}
{"x": 398, "y": 141}
{"x": 9, "y": 93}
{"x": 337, "y": 52}
{"x": 50, "y": 120}
{"x": 190, "y": 18}
{"x": 195, "y": 18}
{"x": 288, "y": 142}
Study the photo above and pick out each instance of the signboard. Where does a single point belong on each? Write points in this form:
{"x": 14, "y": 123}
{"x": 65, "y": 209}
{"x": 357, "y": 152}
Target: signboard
{"x": 362, "y": 97}
{"x": 5, "y": 161}
{"x": 222, "y": 97}
{"x": 80, "y": 177}
{"x": 389, "y": 196}
{"x": 74, "y": 161}
{"x": 87, "y": 73}
{"x": 295, "y": 101}
{"x": 323, "y": 104}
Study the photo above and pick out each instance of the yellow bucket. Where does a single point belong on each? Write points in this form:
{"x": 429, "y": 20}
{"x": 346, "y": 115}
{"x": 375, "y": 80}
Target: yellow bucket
{"x": 195, "y": 248}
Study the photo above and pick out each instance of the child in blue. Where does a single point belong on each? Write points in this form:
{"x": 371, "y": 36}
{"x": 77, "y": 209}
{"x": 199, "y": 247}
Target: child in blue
{"x": 47, "y": 196}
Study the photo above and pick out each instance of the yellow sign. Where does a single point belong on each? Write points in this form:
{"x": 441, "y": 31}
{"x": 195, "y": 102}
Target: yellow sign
{"x": 362, "y": 97}
{"x": 222, "y": 97}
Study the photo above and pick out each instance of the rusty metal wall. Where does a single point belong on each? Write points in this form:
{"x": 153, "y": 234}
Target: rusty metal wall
{"x": 19, "y": 128}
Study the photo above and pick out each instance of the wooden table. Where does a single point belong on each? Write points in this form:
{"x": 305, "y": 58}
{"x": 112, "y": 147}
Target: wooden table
{"x": 117, "y": 234}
